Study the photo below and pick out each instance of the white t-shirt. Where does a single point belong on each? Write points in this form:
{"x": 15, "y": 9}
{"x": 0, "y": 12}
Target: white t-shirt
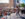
{"x": 6, "y": 17}
{"x": 13, "y": 16}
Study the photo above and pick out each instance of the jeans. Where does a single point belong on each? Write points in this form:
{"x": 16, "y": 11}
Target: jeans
{"x": 22, "y": 17}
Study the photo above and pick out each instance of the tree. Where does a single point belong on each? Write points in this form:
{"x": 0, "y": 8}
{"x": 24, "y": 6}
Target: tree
{"x": 23, "y": 5}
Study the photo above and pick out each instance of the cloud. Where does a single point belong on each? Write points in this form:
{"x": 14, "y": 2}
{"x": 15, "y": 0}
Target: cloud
{"x": 22, "y": 1}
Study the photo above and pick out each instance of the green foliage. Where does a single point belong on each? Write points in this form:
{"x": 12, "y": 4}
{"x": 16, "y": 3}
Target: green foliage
{"x": 22, "y": 4}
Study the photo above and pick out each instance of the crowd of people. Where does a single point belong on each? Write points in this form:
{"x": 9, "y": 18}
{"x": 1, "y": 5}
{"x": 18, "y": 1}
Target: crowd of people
{"x": 11, "y": 14}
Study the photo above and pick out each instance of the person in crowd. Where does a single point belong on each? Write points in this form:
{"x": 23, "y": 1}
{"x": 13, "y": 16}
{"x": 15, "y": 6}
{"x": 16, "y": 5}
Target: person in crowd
{"x": 9, "y": 12}
{"x": 1, "y": 14}
{"x": 13, "y": 15}
{"x": 17, "y": 8}
{"x": 17, "y": 12}
{"x": 4, "y": 15}
{"x": 22, "y": 14}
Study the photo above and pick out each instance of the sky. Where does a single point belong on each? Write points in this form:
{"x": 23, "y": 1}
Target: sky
{"x": 4, "y": 1}
{"x": 22, "y": 1}
{"x": 7, "y": 1}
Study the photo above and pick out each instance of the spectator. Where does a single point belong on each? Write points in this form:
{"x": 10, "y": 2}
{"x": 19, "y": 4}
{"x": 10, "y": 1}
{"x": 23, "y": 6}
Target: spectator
{"x": 5, "y": 15}
{"x": 22, "y": 14}
{"x": 1, "y": 14}
{"x": 13, "y": 15}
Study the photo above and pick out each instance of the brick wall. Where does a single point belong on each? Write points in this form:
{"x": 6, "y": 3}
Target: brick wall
{"x": 6, "y": 4}
{"x": 11, "y": 3}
